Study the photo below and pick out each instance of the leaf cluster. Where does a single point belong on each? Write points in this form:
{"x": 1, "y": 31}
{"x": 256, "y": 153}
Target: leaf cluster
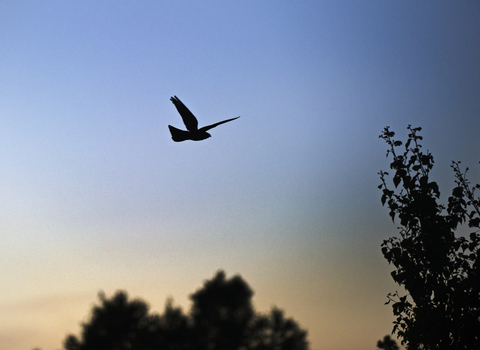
{"x": 439, "y": 270}
{"x": 387, "y": 343}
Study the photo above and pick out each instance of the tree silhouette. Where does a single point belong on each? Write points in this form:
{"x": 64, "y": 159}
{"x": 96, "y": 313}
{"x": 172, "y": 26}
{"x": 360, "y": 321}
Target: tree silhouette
{"x": 221, "y": 317}
{"x": 275, "y": 332}
{"x": 116, "y": 324}
{"x": 222, "y": 313}
{"x": 439, "y": 271}
{"x": 387, "y": 343}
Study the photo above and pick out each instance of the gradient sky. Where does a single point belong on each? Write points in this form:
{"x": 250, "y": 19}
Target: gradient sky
{"x": 96, "y": 196}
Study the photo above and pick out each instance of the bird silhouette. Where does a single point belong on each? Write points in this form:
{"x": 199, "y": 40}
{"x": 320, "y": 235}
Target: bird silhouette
{"x": 193, "y": 133}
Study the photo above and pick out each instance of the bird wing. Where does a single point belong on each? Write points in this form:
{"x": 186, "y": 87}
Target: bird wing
{"x": 208, "y": 127}
{"x": 188, "y": 118}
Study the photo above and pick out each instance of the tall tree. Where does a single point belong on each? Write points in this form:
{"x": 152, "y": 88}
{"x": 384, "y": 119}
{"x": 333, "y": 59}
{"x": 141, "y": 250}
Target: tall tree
{"x": 439, "y": 270}
{"x": 222, "y": 313}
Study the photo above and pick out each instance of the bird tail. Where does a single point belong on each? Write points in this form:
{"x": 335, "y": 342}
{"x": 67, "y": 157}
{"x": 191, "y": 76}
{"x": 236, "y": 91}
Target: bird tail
{"x": 179, "y": 135}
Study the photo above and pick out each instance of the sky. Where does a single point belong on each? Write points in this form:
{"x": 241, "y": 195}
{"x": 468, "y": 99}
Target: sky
{"x": 95, "y": 196}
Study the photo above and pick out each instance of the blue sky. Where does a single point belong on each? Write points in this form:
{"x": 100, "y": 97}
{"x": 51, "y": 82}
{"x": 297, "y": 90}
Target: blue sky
{"x": 96, "y": 196}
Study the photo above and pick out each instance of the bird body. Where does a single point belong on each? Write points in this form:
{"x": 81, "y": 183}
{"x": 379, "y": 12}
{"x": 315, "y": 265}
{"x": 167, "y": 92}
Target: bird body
{"x": 191, "y": 124}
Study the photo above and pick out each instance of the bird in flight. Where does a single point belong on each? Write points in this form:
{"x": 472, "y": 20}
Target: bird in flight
{"x": 193, "y": 133}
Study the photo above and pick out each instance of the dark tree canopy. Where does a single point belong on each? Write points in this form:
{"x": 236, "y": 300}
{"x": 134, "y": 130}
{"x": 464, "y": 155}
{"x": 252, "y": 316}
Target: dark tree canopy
{"x": 222, "y": 312}
{"x": 117, "y": 323}
{"x": 274, "y": 331}
{"x": 221, "y": 317}
{"x": 439, "y": 270}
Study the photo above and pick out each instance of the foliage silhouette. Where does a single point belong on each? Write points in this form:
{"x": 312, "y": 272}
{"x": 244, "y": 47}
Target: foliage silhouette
{"x": 222, "y": 312}
{"x": 439, "y": 270}
{"x": 116, "y": 324}
{"x": 173, "y": 328}
{"x": 274, "y": 331}
{"x": 387, "y": 343}
{"x": 221, "y": 317}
